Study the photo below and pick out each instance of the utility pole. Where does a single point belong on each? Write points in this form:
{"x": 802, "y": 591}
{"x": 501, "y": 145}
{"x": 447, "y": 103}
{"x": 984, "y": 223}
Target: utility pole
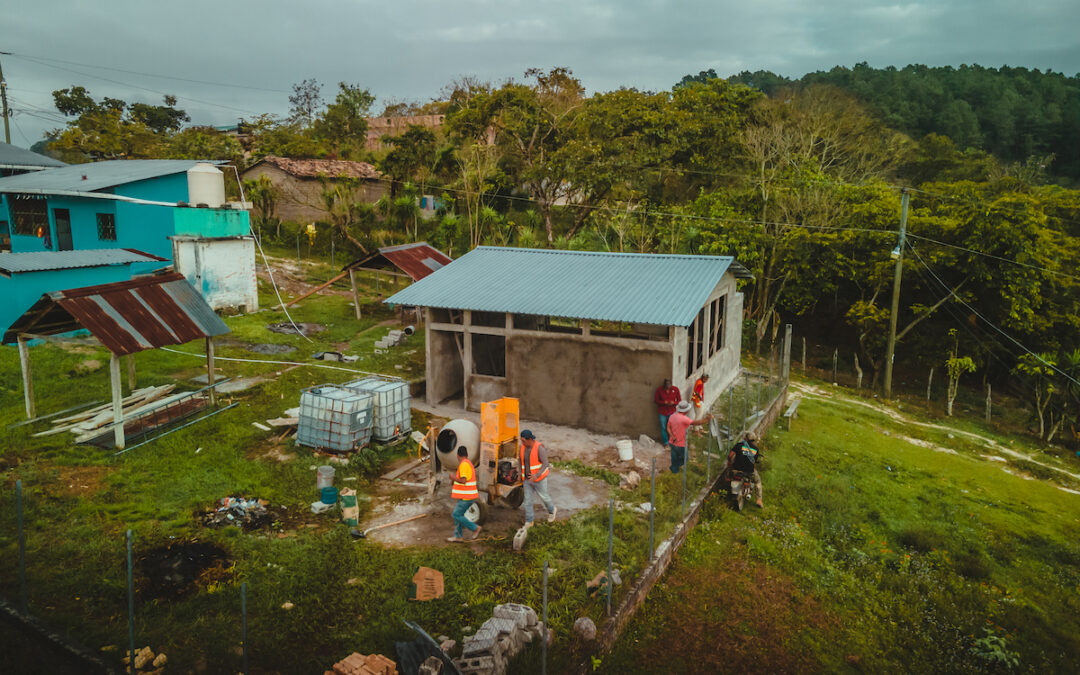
{"x": 890, "y": 352}
{"x": 3, "y": 100}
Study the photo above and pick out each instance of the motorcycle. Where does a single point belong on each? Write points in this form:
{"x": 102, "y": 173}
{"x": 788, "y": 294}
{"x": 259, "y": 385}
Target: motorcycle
{"x": 740, "y": 488}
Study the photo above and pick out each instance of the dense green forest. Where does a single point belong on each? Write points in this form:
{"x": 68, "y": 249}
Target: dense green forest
{"x": 800, "y": 180}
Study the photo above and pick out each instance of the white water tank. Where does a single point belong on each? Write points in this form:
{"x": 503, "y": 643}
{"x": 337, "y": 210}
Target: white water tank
{"x": 206, "y": 185}
{"x": 453, "y": 435}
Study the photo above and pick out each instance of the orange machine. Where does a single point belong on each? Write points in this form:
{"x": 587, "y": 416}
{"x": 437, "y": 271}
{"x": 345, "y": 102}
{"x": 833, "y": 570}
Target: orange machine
{"x": 498, "y": 470}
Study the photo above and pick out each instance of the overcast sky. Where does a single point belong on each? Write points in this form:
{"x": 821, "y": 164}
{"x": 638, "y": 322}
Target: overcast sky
{"x": 406, "y": 49}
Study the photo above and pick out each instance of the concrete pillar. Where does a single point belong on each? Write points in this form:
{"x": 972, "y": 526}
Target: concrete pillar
{"x": 117, "y": 400}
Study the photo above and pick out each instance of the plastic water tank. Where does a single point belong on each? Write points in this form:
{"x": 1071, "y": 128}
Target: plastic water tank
{"x": 453, "y": 435}
{"x": 206, "y": 185}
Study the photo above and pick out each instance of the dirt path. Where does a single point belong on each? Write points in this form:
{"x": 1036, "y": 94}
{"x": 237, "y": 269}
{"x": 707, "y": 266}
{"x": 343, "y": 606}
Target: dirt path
{"x": 292, "y": 277}
{"x": 989, "y": 443}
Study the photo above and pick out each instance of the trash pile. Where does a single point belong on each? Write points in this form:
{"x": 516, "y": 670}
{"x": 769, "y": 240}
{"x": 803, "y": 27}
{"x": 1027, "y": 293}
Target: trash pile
{"x": 249, "y": 514}
{"x": 147, "y": 662}
{"x": 360, "y": 664}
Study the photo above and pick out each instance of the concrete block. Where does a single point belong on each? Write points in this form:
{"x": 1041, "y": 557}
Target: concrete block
{"x": 484, "y": 642}
{"x": 432, "y": 666}
{"x": 480, "y": 665}
{"x": 522, "y": 615}
{"x": 500, "y": 626}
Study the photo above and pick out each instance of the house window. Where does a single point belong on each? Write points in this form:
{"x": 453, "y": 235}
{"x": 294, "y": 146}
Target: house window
{"x": 699, "y": 343}
{"x": 106, "y": 227}
{"x": 716, "y": 335}
{"x": 30, "y": 216}
{"x": 489, "y": 354}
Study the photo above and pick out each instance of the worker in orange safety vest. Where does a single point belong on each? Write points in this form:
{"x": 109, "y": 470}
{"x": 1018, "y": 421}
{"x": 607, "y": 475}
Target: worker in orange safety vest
{"x": 464, "y": 492}
{"x": 698, "y": 395}
{"x": 535, "y": 469}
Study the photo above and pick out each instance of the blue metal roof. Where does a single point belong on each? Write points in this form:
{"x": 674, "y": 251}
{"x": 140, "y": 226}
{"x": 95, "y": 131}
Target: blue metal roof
{"x": 666, "y": 290}
{"x": 41, "y": 261}
{"x": 14, "y": 157}
{"x": 95, "y": 175}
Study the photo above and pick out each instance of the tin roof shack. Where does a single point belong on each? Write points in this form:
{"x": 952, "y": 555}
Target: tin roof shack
{"x": 581, "y": 339}
{"x": 15, "y": 160}
{"x": 138, "y": 204}
{"x": 300, "y": 184}
{"x": 25, "y": 277}
{"x": 126, "y": 317}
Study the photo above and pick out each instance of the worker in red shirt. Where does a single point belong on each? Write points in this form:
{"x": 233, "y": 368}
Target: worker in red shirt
{"x": 666, "y": 398}
{"x": 697, "y": 397}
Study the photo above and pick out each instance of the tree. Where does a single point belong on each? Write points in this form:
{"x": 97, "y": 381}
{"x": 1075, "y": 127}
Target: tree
{"x": 412, "y": 157}
{"x": 111, "y": 128}
{"x": 202, "y": 143}
{"x": 1038, "y": 371}
{"x": 339, "y": 196}
{"x": 955, "y": 366}
{"x": 263, "y": 195}
{"x": 161, "y": 119}
{"x": 343, "y": 125}
{"x": 305, "y": 102}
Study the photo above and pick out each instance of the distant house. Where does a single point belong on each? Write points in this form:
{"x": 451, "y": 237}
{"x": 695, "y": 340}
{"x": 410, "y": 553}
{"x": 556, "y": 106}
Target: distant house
{"x": 581, "y": 339}
{"x": 15, "y": 160}
{"x": 300, "y": 184}
{"x": 395, "y": 126}
{"x": 165, "y": 208}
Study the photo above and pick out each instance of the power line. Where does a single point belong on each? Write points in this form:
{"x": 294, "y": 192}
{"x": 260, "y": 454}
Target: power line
{"x": 135, "y": 86}
{"x": 164, "y": 77}
{"x": 995, "y": 257}
{"x": 994, "y": 326}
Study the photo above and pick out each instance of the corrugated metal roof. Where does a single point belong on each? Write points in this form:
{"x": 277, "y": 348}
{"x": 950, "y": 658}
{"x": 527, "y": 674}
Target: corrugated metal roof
{"x": 12, "y": 157}
{"x": 666, "y": 290}
{"x": 98, "y": 175}
{"x": 41, "y": 261}
{"x": 126, "y": 316}
{"x": 418, "y": 259}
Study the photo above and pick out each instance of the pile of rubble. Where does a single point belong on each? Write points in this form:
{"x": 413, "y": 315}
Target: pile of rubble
{"x": 146, "y": 662}
{"x": 500, "y": 639}
{"x": 359, "y": 664}
{"x": 249, "y": 514}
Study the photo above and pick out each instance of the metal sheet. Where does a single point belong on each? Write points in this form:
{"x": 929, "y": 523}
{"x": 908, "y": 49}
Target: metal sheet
{"x": 13, "y": 157}
{"x": 666, "y": 290}
{"x": 44, "y": 261}
{"x": 97, "y": 175}
{"x": 126, "y": 316}
{"x": 418, "y": 259}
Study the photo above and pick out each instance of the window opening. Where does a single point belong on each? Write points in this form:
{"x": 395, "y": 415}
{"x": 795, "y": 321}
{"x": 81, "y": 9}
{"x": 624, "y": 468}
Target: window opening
{"x": 106, "y": 227}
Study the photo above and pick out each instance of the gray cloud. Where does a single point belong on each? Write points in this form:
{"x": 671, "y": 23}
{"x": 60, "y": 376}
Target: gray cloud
{"x": 410, "y": 49}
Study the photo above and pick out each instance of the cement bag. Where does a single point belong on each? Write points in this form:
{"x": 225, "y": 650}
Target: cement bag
{"x": 350, "y": 512}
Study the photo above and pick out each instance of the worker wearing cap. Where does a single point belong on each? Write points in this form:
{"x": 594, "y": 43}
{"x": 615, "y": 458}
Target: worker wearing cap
{"x": 534, "y": 470}
{"x": 698, "y": 395}
{"x": 678, "y": 423}
{"x": 464, "y": 492}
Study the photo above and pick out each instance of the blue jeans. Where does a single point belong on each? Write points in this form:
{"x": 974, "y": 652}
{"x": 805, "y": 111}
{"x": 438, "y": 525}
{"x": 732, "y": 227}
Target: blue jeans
{"x": 663, "y": 428}
{"x": 678, "y": 457}
{"x": 540, "y": 490}
{"x": 459, "y": 517}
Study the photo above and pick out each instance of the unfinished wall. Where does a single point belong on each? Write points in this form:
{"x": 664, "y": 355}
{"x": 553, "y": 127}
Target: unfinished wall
{"x": 222, "y": 270}
{"x": 443, "y": 369}
{"x": 724, "y": 365}
{"x": 593, "y": 383}
{"x": 300, "y": 199}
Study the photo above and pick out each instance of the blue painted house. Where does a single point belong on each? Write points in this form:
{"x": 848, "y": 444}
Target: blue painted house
{"x": 164, "y": 208}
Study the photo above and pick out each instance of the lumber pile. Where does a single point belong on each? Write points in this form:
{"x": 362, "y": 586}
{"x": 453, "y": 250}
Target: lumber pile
{"x": 89, "y": 424}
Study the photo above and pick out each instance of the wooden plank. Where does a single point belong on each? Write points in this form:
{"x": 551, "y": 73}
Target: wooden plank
{"x": 131, "y": 372}
{"x": 355, "y": 293}
{"x": 100, "y": 415}
{"x": 284, "y": 421}
{"x": 312, "y": 291}
{"x": 117, "y": 397}
{"x": 400, "y": 471}
{"x": 27, "y": 378}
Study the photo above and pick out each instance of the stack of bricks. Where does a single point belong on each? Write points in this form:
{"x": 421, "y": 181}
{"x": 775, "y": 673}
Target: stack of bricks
{"x": 358, "y": 664}
{"x": 499, "y": 640}
{"x": 392, "y": 339}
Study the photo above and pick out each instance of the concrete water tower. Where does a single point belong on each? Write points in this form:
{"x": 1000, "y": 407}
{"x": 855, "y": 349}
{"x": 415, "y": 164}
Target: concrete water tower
{"x": 206, "y": 186}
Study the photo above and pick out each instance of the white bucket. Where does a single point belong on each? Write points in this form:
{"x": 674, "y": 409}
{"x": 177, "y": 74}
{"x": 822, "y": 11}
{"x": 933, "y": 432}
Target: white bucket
{"x": 324, "y": 477}
{"x": 626, "y": 450}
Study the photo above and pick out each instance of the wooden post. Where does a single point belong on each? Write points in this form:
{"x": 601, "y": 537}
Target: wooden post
{"x": 210, "y": 369}
{"x": 130, "y": 372}
{"x": 835, "y": 356}
{"x": 27, "y": 378}
{"x": 858, "y": 374}
{"x": 355, "y": 293}
{"x": 987, "y": 401}
{"x": 804, "y": 356}
{"x": 467, "y": 359}
{"x": 376, "y": 281}
{"x": 929, "y": 381}
{"x": 117, "y": 400}
{"x": 785, "y": 365}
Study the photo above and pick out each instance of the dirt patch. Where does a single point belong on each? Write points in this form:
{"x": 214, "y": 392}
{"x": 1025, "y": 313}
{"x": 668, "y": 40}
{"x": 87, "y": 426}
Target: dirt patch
{"x": 736, "y": 616}
{"x": 87, "y": 366}
{"x": 273, "y": 450}
{"x": 78, "y": 481}
{"x": 264, "y": 348}
{"x": 286, "y": 328}
{"x": 181, "y": 568}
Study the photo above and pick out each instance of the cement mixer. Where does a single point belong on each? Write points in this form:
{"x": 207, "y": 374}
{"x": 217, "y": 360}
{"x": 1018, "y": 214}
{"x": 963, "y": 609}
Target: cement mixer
{"x": 493, "y": 450}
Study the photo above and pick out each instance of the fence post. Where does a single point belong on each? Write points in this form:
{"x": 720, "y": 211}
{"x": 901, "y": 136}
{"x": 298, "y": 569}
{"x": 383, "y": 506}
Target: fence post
{"x": 24, "y": 603}
{"x": 543, "y": 638}
{"x": 685, "y": 469}
{"x": 746, "y": 399}
{"x": 652, "y": 507}
{"x": 297, "y": 253}
{"x": 804, "y": 356}
{"x": 131, "y": 607}
{"x": 835, "y": 356}
{"x": 708, "y": 455}
{"x": 243, "y": 625}
{"x": 987, "y": 401}
{"x": 332, "y": 265}
{"x": 929, "y": 381}
{"x": 610, "y": 552}
{"x": 785, "y": 365}
{"x": 731, "y": 411}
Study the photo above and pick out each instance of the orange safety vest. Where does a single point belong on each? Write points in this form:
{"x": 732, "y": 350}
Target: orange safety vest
{"x": 699, "y": 393}
{"x": 466, "y": 490}
{"x": 534, "y": 461}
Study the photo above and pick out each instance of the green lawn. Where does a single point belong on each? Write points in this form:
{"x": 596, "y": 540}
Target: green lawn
{"x": 875, "y": 554}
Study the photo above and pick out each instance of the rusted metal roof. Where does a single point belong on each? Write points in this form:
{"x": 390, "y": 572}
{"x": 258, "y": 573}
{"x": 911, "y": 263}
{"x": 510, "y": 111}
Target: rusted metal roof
{"x": 327, "y": 168}
{"x": 126, "y": 316}
{"x": 417, "y": 260}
